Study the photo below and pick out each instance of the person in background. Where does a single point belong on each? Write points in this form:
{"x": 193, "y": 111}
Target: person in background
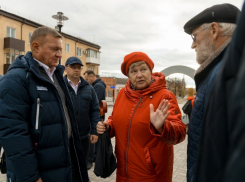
{"x": 99, "y": 87}
{"x": 85, "y": 103}
{"x": 211, "y": 32}
{"x": 192, "y": 99}
{"x": 146, "y": 123}
{"x": 38, "y": 129}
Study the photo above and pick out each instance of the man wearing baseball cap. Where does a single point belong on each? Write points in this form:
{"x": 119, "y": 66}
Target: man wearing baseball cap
{"x": 211, "y": 31}
{"x": 85, "y": 103}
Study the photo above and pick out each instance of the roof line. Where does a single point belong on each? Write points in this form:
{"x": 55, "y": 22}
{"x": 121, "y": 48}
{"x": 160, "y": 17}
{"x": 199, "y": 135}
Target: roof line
{"x": 36, "y": 25}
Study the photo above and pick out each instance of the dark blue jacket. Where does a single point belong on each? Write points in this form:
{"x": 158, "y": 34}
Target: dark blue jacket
{"x": 222, "y": 143}
{"x": 33, "y": 128}
{"x": 99, "y": 87}
{"x": 86, "y": 107}
{"x": 204, "y": 84}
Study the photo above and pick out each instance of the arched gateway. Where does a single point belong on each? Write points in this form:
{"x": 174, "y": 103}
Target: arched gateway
{"x": 179, "y": 69}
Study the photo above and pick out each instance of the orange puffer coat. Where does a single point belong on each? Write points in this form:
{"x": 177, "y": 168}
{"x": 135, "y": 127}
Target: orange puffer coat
{"x": 142, "y": 154}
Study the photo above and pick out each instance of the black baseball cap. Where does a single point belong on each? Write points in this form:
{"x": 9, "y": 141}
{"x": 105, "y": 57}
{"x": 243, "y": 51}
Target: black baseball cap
{"x": 73, "y": 60}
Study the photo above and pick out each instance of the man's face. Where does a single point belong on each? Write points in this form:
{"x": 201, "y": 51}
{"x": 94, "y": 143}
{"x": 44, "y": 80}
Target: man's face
{"x": 202, "y": 45}
{"x": 49, "y": 52}
{"x": 73, "y": 71}
{"x": 85, "y": 76}
{"x": 91, "y": 79}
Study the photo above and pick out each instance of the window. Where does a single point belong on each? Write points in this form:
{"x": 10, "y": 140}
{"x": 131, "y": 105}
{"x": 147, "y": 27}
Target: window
{"x": 98, "y": 55}
{"x": 90, "y": 68}
{"x": 11, "y": 32}
{"x": 11, "y": 54}
{"x": 30, "y": 37}
{"x": 93, "y": 54}
{"x": 79, "y": 52}
{"x": 67, "y": 48}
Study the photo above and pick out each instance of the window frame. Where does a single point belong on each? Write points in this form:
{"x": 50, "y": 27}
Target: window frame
{"x": 11, "y": 32}
{"x": 79, "y": 55}
{"x": 67, "y": 46}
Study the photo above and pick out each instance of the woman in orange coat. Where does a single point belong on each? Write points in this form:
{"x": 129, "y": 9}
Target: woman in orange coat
{"x": 146, "y": 122}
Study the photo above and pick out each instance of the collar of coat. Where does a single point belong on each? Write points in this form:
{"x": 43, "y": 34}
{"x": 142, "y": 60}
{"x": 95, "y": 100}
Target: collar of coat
{"x": 213, "y": 56}
{"x": 158, "y": 84}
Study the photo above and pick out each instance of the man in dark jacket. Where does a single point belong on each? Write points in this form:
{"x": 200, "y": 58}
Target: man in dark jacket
{"x": 222, "y": 154}
{"x": 38, "y": 129}
{"x": 99, "y": 87}
{"x": 211, "y": 31}
{"x": 85, "y": 103}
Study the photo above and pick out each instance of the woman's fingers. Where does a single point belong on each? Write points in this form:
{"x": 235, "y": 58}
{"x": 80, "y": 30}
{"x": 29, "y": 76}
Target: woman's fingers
{"x": 161, "y": 104}
{"x": 164, "y": 110}
{"x": 101, "y": 127}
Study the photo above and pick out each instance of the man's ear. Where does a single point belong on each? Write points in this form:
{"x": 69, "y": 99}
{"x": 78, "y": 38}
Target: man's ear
{"x": 35, "y": 46}
{"x": 215, "y": 30}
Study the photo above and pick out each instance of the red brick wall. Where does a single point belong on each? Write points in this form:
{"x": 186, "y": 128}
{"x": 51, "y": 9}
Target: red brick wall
{"x": 110, "y": 81}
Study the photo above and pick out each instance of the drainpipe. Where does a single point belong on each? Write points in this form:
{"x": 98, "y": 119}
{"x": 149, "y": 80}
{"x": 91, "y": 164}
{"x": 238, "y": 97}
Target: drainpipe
{"x": 76, "y": 47}
{"x": 23, "y": 22}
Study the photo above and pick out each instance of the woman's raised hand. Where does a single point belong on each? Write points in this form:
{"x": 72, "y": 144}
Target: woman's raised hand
{"x": 101, "y": 127}
{"x": 159, "y": 116}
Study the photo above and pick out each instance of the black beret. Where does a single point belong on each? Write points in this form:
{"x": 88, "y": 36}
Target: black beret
{"x": 223, "y": 13}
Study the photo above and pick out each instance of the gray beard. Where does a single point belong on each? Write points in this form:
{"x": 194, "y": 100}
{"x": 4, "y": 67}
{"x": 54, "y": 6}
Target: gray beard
{"x": 204, "y": 52}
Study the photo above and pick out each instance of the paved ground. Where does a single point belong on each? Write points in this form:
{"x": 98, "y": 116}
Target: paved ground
{"x": 179, "y": 172}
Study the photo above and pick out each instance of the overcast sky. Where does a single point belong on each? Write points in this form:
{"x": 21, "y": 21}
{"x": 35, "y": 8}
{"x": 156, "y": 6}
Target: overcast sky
{"x": 124, "y": 26}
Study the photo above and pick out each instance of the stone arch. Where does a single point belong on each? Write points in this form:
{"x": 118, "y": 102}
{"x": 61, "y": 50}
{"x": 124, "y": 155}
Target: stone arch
{"x": 179, "y": 69}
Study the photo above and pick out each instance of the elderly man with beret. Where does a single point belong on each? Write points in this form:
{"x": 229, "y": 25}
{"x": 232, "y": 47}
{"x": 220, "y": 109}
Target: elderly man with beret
{"x": 211, "y": 31}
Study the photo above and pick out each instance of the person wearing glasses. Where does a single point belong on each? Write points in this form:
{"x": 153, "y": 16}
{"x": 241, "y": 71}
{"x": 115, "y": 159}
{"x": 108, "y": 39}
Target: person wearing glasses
{"x": 211, "y": 32}
{"x": 85, "y": 103}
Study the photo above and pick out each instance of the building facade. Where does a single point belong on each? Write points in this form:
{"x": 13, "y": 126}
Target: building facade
{"x": 15, "y": 37}
{"x": 110, "y": 88}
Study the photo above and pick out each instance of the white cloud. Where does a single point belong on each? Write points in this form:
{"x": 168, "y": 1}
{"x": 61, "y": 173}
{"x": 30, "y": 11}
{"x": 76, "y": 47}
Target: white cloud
{"x": 123, "y": 26}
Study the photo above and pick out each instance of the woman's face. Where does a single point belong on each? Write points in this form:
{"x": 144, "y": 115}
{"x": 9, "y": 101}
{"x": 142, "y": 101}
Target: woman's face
{"x": 140, "y": 76}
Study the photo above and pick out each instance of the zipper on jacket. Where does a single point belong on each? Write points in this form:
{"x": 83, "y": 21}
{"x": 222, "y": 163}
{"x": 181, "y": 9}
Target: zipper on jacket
{"x": 37, "y": 114}
{"x": 76, "y": 108}
{"x": 129, "y": 136}
{"x": 77, "y": 159}
{"x": 9, "y": 179}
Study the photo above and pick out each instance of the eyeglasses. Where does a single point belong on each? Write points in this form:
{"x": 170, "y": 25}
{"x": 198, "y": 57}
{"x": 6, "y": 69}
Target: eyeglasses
{"x": 75, "y": 67}
{"x": 193, "y": 36}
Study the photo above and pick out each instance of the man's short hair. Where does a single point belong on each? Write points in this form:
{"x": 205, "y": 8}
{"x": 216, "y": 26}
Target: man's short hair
{"x": 89, "y": 72}
{"x": 227, "y": 29}
{"x": 41, "y": 32}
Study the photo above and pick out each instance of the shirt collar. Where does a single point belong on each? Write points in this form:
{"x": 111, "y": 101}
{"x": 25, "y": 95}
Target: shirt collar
{"x": 70, "y": 82}
{"x": 46, "y": 68}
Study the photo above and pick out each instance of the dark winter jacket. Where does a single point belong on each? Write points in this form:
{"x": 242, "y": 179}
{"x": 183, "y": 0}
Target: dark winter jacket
{"x": 99, "y": 87}
{"x": 33, "y": 128}
{"x": 222, "y": 139}
{"x": 204, "y": 80}
{"x": 86, "y": 107}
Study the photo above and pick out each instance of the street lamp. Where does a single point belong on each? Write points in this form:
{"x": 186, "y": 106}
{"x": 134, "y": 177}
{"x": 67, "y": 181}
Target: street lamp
{"x": 60, "y": 21}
